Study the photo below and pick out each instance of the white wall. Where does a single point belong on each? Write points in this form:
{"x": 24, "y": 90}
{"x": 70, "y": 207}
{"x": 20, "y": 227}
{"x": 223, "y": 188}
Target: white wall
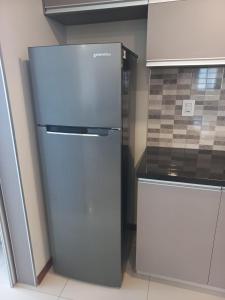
{"x": 22, "y": 24}
{"x": 133, "y": 35}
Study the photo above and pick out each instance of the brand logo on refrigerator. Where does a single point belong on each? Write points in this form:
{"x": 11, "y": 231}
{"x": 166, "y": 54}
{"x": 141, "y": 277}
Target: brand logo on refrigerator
{"x": 102, "y": 54}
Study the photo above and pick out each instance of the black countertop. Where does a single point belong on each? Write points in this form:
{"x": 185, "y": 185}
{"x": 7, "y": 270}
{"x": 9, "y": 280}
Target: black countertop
{"x": 183, "y": 165}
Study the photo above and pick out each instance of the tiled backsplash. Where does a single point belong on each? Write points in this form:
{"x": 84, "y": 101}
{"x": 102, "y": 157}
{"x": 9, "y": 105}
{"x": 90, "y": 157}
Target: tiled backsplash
{"x": 166, "y": 125}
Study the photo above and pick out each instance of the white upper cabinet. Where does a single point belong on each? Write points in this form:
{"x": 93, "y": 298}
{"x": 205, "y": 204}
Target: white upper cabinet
{"x": 186, "y": 32}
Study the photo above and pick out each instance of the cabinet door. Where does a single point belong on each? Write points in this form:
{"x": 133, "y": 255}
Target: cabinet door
{"x": 73, "y": 12}
{"x": 180, "y": 31}
{"x": 175, "y": 230}
{"x": 217, "y": 272}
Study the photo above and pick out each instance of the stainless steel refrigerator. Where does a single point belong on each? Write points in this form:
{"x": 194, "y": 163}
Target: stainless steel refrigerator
{"x": 84, "y": 100}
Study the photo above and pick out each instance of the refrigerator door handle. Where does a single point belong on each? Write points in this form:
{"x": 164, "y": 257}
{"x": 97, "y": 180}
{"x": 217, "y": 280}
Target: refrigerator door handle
{"x": 80, "y": 131}
{"x": 74, "y": 134}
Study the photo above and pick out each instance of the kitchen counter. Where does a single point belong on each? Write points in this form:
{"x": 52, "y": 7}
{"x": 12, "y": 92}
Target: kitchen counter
{"x": 206, "y": 167}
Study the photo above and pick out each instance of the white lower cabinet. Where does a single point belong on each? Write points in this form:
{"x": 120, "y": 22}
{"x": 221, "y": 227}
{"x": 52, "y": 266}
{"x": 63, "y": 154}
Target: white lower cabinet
{"x": 217, "y": 272}
{"x": 176, "y": 226}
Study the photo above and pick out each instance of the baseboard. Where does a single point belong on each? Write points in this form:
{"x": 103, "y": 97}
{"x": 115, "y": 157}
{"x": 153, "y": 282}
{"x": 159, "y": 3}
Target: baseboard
{"x": 44, "y": 271}
{"x": 201, "y": 288}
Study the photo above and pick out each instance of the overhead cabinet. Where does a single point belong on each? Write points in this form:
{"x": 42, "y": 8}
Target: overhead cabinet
{"x": 186, "y": 32}
{"x": 71, "y": 12}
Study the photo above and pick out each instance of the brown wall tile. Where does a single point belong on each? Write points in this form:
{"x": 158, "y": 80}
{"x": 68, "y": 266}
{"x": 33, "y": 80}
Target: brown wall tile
{"x": 166, "y": 125}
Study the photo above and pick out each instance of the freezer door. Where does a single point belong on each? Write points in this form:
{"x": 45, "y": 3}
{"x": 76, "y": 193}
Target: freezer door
{"x": 82, "y": 181}
{"x": 77, "y": 85}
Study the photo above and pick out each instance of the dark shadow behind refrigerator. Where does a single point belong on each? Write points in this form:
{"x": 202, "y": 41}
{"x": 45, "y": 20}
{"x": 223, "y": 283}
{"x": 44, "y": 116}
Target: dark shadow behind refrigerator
{"x": 84, "y": 99}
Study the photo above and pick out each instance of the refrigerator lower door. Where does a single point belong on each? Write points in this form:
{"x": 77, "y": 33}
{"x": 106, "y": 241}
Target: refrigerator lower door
{"x": 82, "y": 181}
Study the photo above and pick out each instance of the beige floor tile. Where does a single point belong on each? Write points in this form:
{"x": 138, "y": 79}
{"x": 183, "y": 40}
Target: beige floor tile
{"x": 132, "y": 289}
{"x": 160, "y": 291}
{"x": 18, "y": 293}
{"x": 53, "y": 284}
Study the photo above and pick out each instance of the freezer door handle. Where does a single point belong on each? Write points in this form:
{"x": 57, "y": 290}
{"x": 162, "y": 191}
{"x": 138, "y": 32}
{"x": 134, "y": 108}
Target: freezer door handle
{"x": 75, "y": 134}
{"x": 80, "y": 131}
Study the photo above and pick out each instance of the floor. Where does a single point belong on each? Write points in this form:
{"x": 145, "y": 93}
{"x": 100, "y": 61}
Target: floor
{"x": 133, "y": 288}
{"x": 57, "y": 287}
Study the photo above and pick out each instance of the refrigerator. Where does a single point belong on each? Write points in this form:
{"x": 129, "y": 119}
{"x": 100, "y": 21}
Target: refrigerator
{"x": 84, "y": 104}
